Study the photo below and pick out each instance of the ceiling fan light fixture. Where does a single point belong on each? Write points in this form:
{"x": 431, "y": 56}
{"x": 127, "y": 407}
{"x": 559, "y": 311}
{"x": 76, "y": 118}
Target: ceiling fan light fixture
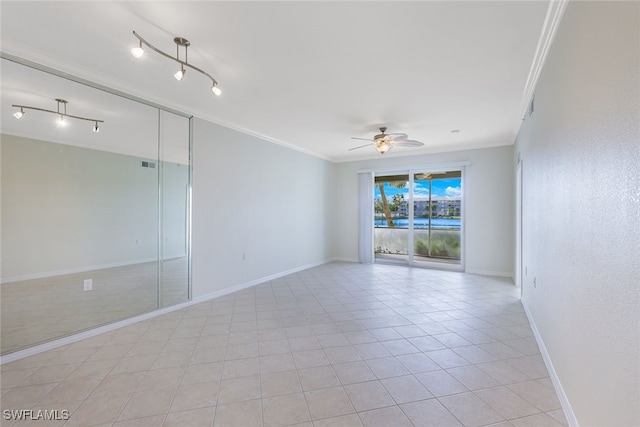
{"x": 383, "y": 146}
{"x": 384, "y": 142}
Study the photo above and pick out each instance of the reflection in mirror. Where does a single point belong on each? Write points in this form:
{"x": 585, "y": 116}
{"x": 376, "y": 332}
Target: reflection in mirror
{"x": 94, "y": 224}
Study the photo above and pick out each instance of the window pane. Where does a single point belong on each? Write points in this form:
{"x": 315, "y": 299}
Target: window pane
{"x": 391, "y": 198}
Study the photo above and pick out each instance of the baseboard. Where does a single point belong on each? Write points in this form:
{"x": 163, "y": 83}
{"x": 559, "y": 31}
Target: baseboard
{"x": 126, "y": 322}
{"x": 341, "y": 259}
{"x": 562, "y": 396}
{"x": 246, "y": 285}
{"x": 489, "y": 273}
{"x": 81, "y": 269}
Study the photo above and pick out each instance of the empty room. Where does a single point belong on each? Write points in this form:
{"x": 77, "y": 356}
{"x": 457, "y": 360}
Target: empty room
{"x": 320, "y": 213}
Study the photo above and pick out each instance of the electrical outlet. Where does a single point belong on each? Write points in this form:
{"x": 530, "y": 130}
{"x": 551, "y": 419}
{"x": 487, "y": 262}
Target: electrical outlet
{"x": 88, "y": 284}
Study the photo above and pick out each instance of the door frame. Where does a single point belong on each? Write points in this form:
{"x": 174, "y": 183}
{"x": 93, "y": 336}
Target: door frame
{"x": 519, "y": 220}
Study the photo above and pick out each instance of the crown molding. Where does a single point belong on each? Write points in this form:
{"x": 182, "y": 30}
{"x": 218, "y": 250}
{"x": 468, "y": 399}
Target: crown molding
{"x": 555, "y": 12}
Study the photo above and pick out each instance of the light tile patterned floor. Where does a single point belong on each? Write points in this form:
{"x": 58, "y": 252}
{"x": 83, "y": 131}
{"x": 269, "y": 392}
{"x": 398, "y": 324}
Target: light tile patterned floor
{"x": 338, "y": 345}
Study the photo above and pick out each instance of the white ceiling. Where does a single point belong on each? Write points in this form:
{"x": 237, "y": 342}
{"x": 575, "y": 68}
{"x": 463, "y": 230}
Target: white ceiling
{"x": 306, "y": 75}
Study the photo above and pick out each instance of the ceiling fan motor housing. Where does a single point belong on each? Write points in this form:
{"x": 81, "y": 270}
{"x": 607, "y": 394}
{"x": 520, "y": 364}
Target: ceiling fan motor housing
{"x": 381, "y": 134}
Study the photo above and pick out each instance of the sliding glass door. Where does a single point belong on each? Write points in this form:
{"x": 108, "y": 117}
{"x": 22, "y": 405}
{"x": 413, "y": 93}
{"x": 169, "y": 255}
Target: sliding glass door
{"x": 418, "y": 218}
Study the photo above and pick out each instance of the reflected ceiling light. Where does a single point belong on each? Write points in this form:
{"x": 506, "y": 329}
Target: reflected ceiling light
{"x": 180, "y": 42}
{"x": 61, "y": 113}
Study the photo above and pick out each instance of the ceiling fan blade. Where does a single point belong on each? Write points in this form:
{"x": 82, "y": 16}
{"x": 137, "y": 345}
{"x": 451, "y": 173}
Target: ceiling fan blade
{"x": 397, "y": 135}
{"x": 361, "y": 146}
{"x": 363, "y": 139}
{"x": 407, "y": 143}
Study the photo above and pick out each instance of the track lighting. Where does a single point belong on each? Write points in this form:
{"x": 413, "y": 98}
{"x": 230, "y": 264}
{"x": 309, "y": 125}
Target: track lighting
{"x": 61, "y": 112}
{"x": 180, "y": 42}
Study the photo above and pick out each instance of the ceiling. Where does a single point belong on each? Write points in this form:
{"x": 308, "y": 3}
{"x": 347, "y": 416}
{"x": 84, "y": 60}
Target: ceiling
{"x": 307, "y": 75}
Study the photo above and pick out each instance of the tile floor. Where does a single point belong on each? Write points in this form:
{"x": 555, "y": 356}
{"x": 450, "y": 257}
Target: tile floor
{"x": 338, "y": 345}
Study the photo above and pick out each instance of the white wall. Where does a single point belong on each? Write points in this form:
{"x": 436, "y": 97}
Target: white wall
{"x": 488, "y": 205}
{"x": 581, "y": 242}
{"x": 255, "y": 198}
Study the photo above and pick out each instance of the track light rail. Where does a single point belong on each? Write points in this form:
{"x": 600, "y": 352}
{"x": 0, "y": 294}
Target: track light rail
{"x": 179, "y": 42}
{"x": 61, "y": 113}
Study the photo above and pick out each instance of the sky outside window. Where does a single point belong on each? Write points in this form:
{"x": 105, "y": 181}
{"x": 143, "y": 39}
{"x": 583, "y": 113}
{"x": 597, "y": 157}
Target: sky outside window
{"x": 444, "y": 188}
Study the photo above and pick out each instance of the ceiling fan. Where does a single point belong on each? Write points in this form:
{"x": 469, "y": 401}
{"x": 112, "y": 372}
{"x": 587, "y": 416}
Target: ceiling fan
{"x": 383, "y": 142}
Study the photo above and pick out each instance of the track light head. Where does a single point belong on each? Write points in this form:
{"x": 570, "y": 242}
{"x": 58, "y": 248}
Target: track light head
{"x": 19, "y": 114}
{"x": 137, "y": 52}
{"x": 216, "y": 90}
{"x": 61, "y": 122}
{"x": 96, "y": 129}
{"x": 180, "y": 74}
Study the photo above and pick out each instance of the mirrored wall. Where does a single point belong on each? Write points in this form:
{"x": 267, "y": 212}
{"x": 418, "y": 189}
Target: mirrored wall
{"x": 95, "y": 226}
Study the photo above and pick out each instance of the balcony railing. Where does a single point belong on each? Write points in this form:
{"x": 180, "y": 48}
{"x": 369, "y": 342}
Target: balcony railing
{"x": 444, "y": 243}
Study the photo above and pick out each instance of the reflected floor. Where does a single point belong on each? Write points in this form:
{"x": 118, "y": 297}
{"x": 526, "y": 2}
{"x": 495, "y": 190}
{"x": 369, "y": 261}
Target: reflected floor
{"x": 39, "y": 310}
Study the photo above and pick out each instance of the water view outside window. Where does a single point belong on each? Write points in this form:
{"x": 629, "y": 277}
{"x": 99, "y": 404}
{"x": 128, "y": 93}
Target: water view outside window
{"x": 436, "y": 226}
